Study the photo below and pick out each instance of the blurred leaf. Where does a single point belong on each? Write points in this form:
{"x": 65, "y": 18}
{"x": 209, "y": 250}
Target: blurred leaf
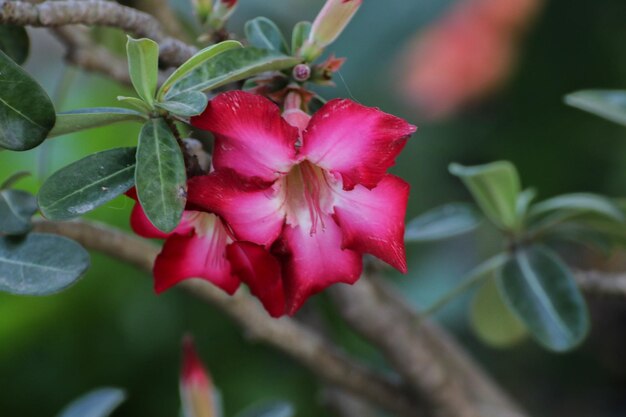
{"x": 496, "y": 189}
{"x": 14, "y": 42}
{"x": 83, "y": 119}
{"x": 195, "y": 61}
{"x": 97, "y": 403}
{"x": 492, "y": 320}
{"x": 300, "y": 34}
{"x": 579, "y": 203}
{"x": 230, "y": 66}
{"x": 16, "y": 209}
{"x": 40, "y": 264}
{"x": 276, "y": 409}
{"x": 143, "y": 66}
{"x": 26, "y": 112}
{"x": 609, "y": 104}
{"x": 443, "y": 222}
{"x": 86, "y": 184}
{"x": 524, "y": 200}
{"x": 263, "y": 33}
{"x": 136, "y": 103}
{"x": 160, "y": 175}
{"x": 186, "y": 104}
{"x": 541, "y": 291}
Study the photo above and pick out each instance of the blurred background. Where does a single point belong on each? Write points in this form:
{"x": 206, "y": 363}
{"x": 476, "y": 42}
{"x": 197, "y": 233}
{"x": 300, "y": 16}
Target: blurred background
{"x": 483, "y": 79}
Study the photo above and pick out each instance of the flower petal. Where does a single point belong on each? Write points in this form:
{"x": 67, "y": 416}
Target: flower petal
{"x": 372, "y": 221}
{"x": 315, "y": 261}
{"x": 261, "y": 272}
{"x": 201, "y": 254}
{"x": 251, "y": 136}
{"x": 254, "y": 212}
{"x": 358, "y": 142}
{"x": 142, "y": 226}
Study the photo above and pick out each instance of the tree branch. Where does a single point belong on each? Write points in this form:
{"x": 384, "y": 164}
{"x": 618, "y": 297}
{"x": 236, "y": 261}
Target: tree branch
{"x": 302, "y": 343}
{"x": 96, "y": 13}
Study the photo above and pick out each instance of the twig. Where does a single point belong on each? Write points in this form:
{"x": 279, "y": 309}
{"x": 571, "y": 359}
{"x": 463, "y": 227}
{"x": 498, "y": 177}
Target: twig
{"x": 96, "y": 13}
{"x": 306, "y": 346}
{"x": 344, "y": 404}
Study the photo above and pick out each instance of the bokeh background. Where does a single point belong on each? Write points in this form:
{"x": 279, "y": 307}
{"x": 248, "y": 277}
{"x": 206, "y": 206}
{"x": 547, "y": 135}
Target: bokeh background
{"x": 111, "y": 330}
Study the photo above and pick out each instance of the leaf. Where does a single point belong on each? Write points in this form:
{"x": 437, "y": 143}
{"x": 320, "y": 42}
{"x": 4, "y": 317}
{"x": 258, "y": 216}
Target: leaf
{"x": 230, "y": 66}
{"x": 87, "y": 184}
{"x": 541, "y": 291}
{"x": 263, "y": 33}
{"x": 186, "y": 104}
{"x": 143, "y": 65}
{"x": 300, "y": 34}
{"x": 275, "y": 409}
{"x": 136, "y": 103}
{"x": 492, "y": 320}
{"x": 496, "y": 188}
{"x": 40, "y": 264}
{"x": 83, "y": 119}
{"x": 16, "y": 209}
{"x": 579, "y": 203}
{"x": 609, "y": 104}
{"x": 195, "y": 61}
{"x": 26, "y": 112}
{"x": 97, "y": 403}
{"x": 160, "y": 175}
{"x": 443, "y": 222}
{"x": 14, "y": 42}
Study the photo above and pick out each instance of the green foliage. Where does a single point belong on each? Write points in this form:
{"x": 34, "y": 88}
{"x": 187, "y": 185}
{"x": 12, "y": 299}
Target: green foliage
{"x": 82, "y": 119}
{"x": 609, "y": 104}
{"x": 262, "y": 33}
{"x": 577, "y": 204}
{"x": 143, "y": 66}
{"x": 160, "y": 175}
{"x": 443, "y": 222}
{"x": 40, "y": 264}
{"x": 87, "y": 184}
{"x": 277, "y": 409}
{"x": 26, "y": 112}
{"x": 540, "y": 290}
{"x": 98, "y": 403}
{"x": 190, "y": 103}
{"x": 299, "y": 34}
{"x": 16, "y": 209}
{"x": 14, "y": 42}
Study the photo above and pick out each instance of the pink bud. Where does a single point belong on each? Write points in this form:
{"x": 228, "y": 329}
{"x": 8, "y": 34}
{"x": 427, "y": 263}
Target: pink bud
{"x": 301, "y": 72}
{"x": 196, "y": 387}
{"x": 222, "y": 10}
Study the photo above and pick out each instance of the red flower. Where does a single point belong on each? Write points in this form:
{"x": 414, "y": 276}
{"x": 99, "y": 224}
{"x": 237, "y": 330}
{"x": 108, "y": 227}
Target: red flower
{"x": 315, "y": 193}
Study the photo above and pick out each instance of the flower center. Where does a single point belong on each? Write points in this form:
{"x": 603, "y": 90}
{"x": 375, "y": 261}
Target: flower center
{"x": 309, "y": 196}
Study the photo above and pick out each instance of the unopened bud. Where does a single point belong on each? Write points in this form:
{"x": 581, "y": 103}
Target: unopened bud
{"x": 222, "y": 10}
{"x": 203, "y": 9}
{"x": 196, "y": 387}
{"x": 301, "y": 72}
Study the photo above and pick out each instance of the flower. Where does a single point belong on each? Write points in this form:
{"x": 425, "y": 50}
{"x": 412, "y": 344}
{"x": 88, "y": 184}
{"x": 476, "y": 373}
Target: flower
{"x": 196, "y": 388}
{"x": 313, "y": 191}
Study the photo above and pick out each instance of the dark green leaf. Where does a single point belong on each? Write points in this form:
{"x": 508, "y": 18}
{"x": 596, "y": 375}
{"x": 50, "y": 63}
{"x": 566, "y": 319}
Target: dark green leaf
{"x": 609, "y": 104}
{"x": 186, "y": 104}
{"x": 143, "y": 65}
{"x": 40, "y": 264}
{"x": 97, "y": 403}
{"x": 26, "y": 112}
{"x": 82, "y": 119}
{"x": 579, "y": 203}
{"x": 443, "y": 222}
{"x": 160, "y": 175}
{"x": 230, "y": 66}
{"x": 86, "y": 184}
{"x": 541, "y": 291}
{"x": 300, "y": 34}
{"x": 496, "y": 189}
{"x": 277, "y": 409}
{"x": 14, "y": 42}
{"x": 16, "y": 209}
{"x": 263, "y": 33}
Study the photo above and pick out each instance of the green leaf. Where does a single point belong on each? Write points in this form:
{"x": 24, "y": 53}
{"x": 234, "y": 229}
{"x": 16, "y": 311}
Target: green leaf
{"x": 496, "y": 189}
{"x": 136, "y": 103}
{"x": 83, "y": 119}
{"x": 578, "y": 203}
{"x": 186, "y": 104}
{"x": 230, "y": 66}
{"x": 443, "y": 222}
{"x": 87, "y": 184}
{"x": 40, "y": 264}
{"x": 14, "y": 42}
{"x": 263, "y": 33}
{"x": 97, "y": 403}
{"x": 26, "y": 112}
{"x": 160, "y": 175}
{"x": 16, "y": 209}
{"x": 275, "y": 409}
{"x": 143, "y": 65}
{"x": 195, "y": 61}
{"x": 609, "y": 104}
{"x": 540, "y": 290}
{"x": 492, "y": 320}
{"x": 300, "y": 34}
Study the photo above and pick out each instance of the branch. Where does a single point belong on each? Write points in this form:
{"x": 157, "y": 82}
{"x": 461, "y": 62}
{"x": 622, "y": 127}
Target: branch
{"x": 602, "y": 283}
{"x": 303, "y": 344}
{"x": 96, "y": 13}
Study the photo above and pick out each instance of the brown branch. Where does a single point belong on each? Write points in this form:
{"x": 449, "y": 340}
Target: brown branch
{"x": 345, "y": 405}
{"x": 96, "y": 13}
{"x": 302, "y": 343}
{"x": 602, "y": 283}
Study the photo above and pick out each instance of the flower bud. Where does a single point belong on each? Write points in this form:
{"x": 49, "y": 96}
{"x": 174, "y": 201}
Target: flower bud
{"x": 196, "y": 387}
{"x": 222, "y": 10}
{"x": 328, "y": 25}
{"x": 301, "y": 72}
{"x": 203, "y": 9}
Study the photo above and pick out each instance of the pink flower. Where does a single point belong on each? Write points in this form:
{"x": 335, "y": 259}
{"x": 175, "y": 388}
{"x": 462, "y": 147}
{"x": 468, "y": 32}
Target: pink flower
{"x": 313, "y": 191}
{"x": 196, "y": 387}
